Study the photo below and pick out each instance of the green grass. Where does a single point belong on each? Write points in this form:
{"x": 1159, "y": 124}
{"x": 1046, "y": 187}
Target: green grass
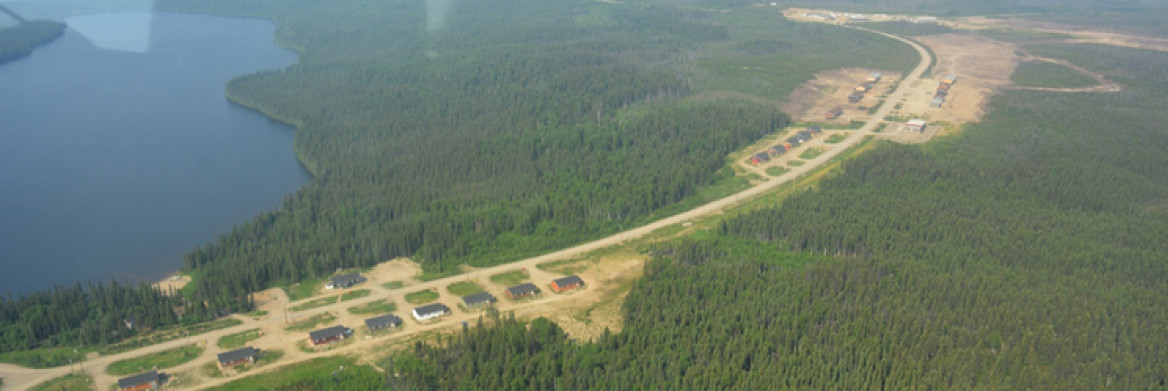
{"x": 72, "y": 382}
{"x": 422, "y": 297}
{"x": 315, "y": 303}
{"x": 169, "y": 334}
{"x": 835, "y": 139}
{"x": 309, "y": 371}
{"x": 44, "y": 357}
{"x": 776, "y": 170}
{"x": 810, "y": 153}
{"x": 393, "y": 285}
{"x": 1045, "y": 74}
{"x": 162, "y": 360}
{"x": 311, "y": 322}
{"x": 514, "y": 277}
{"x": 880, "y": 128}
{"x": 239, "y": 339}
{"x": 257, "y": 313}
{"x": 378, "y": 307}
{"x": 463, "y": 288}
{"x": 795, "y": 163}
{"x": 265, "y": 357}
{"x": 211, "y": 369}
{"x": 303, "y": 289}
{"x": 356, "y": 294}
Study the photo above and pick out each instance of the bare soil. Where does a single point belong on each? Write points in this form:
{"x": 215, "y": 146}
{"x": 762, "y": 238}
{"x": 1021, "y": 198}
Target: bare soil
{"x": 812, "y": 99}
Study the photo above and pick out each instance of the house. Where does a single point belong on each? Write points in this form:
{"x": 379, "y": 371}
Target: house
{"x": 244, "y": 355}
{"x": 777, "y": 150}
{"x": 479, "y": 299}
{"x": 788, "y": 145}
{"x": 854, "y": 97}
{"x": 345, "y": 281}
{"x": 815, "y": 129}
{"x": 942, "y": 93}
{"x": 529, "y": 289}
{"x": 383, "y": 322}
{"x": 141, "y": 381}
{"x": 794, "y": 142}
{"x": 943, "y": 87}
{"x": 804, "y": 135}
{"x": 328, "y": 335}
{"x": 873, "y": 77}
{"x": 834, "y": 113}
{"x": 430, "y": 311}
{"x": 950, "y": 79}
{"x": 758, "y": 158}
{"x": 937, "y": 101}
{"x": 915, "y": 125}
{"x": 567, "y": 283}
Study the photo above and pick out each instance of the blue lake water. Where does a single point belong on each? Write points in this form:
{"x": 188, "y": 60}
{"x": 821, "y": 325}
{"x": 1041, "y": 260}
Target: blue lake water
{"x": 119, "y": 151}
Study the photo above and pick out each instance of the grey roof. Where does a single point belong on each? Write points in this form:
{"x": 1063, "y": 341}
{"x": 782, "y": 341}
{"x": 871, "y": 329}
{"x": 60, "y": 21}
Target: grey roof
{"x": 344, "y": 279}
{"x": 569, "y": 280}
{"x": 382, "y": 321}
{"x": 335, "y": 331}
{"x": 141, "y": 378}
{"x": 479, "y": 298}
{"x": 528, "y": 288}
{"x": 815, "y": 128}
{"x": 237, "y": 354}
{"x": 432, "y": 309}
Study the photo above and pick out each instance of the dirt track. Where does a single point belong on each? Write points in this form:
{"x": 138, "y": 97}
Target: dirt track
{"x": 273, "y": 323}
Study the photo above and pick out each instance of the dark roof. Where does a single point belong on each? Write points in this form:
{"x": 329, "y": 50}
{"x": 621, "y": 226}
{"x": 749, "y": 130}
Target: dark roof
{"x": 431, "y": 309}
{"x": 351, "y": 278}
{"x": 572, "y": 279}
{"x": 528, "y": 288}
{"x": 479, "y": 298}
{"x": 760, "y": 156}
{"x": 237, "y": 354}
{"x": 803, "y": 134}
{"x": 815, "y": 129}
{"x": 837, "y": 110}
{"x": 382, "y": 321}
{"x": 334, "y": 331}
{"x": 141, "y": 378}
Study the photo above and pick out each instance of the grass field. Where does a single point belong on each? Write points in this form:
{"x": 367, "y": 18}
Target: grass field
{"x": 463, "y": 288}
{"x": 162, "y": 360}
{"x": 169, "y": 334}
{"x": 1045, "y": 74}
{"x": 393, "y": 285}
{"x": 776, "y": 170}
{"x": 810, "y": 153}
{"x": 72, "y": 382}
{"x": 312, "y": 322}
{"x": 44, "y": 357}
{"x": 378, "y": 307}
{"x": 835, "y": 139}
{"x": 303, "y": 289}
{"x": 355, "y": 294}
{"x": 564, "y": 266}
{"x": 321, "y": 302}
{"x": 422, "y": 297}
{"x": 514, "y": 277}
{"x": 239, "y": 339}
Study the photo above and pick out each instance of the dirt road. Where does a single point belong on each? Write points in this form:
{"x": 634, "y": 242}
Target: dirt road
{"x": 17, "y": 378}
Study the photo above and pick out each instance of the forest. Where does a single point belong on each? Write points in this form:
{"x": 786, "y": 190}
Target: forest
{"x": 19, "y": 41}
{"x": 1026, "y": 252}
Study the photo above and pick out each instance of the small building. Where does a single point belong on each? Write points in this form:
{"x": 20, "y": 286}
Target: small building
{"x": 937, "y": 101}
{"x": 815, "y": 129}
{"x": 804, "y": 135}
{"x": 387, "y": 321}
{"x": 777, "y": 150}
{"x": 834, "y": 113}
{"x": 873, "y": 77}
{"x": 949, "y": 79}
{"x": 787, "y": 145}
{"x": 794, "y": 142}
{"x": 942, "y": 93}
{"x": 567, "y": 283}
{"x": 529, "y": 289}
{"x": 479, "y": 299}
{"x": 244, "y": 355}
{"x": 943, "y": 87}
{"x": 756, "y": 159}
{"x": 328, "y": 335}
{"x": 915, "y": 125}
{"x": 141, "y": 381}
{"x": 344, "y": 281}
{"x": 855, "y": 97}
{"x": 431, "y": 311}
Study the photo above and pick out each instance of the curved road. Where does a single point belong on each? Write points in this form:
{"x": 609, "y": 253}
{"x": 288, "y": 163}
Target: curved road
{"x": 19, "y": 378}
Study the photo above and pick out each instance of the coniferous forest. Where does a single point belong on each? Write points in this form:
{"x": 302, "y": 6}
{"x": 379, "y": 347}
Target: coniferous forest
{"x": 1025, "y": 253}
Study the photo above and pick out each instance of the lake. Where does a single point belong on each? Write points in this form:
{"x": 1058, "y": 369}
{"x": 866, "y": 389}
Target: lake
{"x": 119, "y": 151}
